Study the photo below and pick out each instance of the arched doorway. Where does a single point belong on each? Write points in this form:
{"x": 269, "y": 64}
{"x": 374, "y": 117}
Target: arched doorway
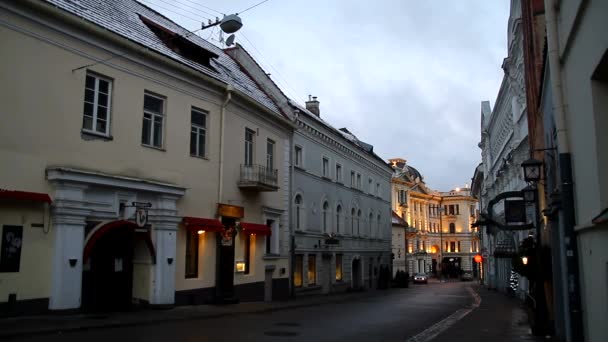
{"x": 107, "y": 278}
{"x": 356, "y": 274}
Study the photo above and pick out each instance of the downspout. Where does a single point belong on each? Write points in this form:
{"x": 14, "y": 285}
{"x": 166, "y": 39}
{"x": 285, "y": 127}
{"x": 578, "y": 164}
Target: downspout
{"x": 568, "y": 218}
{"x": 220, "y": 187}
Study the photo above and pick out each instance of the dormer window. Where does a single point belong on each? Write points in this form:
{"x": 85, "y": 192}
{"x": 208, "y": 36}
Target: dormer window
{"x": 180, "y": 44}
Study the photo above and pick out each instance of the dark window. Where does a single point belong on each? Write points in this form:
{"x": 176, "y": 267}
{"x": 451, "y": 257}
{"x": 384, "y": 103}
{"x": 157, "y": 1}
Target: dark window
{"x": 191, "y": 254}
{"x": 268, "y": 237}
{"x": 247, "y": 253}
{"x": 298, "y": 156}
{"x": 10, "y": 256}
{"x": 152, "y": 129}
{"x": 457, "y": 209}
{"x": 270, "y": 155}
{"x": 452, "y": 246}
{"x": 298, "y": 274}
{"x": 249, "y": 147}
{"x": 458, "y": 247}
{"x": 198, "y": 132}
{"x": 452, "y": 228}
{"x": 298, "y": 211}
{"x": 312, "y": 269}
{"x": 338, "y": 214}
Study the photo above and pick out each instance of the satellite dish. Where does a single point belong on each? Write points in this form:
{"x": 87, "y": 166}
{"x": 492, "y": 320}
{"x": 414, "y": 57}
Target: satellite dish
{"x": 230, "y": 40}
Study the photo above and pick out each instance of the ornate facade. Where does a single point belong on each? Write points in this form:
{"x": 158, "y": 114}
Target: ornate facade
{"x": 438, "y": 238}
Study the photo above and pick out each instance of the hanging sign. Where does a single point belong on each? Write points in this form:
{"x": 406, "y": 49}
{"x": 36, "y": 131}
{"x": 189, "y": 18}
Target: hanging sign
{"x": 141, "y": 217}
{"x": 227, "y": 235}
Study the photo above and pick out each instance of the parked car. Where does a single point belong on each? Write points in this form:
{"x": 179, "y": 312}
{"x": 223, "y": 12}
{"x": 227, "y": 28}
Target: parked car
{"x": 421, "y": 278}
{"x": 466, "y": 276}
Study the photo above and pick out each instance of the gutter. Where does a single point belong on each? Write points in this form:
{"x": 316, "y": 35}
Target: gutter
{"x": 220, "y": 187}
{"x": 574, "y": 320}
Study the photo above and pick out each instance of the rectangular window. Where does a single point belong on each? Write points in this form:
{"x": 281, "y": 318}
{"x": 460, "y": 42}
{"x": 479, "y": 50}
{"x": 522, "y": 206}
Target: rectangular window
{"x": 154, "y": 112}
{"x": 457, "y": 209}
{"x": 370, "y": 185}
{"x": 378, "y": 189}
{"x": 352, "y": 179}
{"x": 10, "y": 255}
{"x": 312, "y": 269}
{"x": 358, "y": 181}
{"x": 325, "y": 167}
{"x": 198, "y": 132}
{"x": 247, "y": 253}
{"x": 298, "y": 274}
{"x": 96, "y": 113}
{"x": 191, "y": 254}
{"x": 451, "y": 212}
{"x": 249, "y": 147}
{"x": 338, "y": 267}
{"x": 452, "y": 247}
{"x": 298, "y": 156}
{"x": 269, "y": 155}
{"x": 338, "y": 173}
{"x": 269, "y": 237}
{"x": 458, "y": 250}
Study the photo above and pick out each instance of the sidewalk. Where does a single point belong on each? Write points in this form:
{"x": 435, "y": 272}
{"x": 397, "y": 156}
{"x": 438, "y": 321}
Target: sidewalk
{"x": 57, "y": 323}
{"x": 499, "y": 318}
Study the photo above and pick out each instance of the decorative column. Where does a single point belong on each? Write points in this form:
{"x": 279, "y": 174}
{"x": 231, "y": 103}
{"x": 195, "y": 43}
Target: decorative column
{"x": 165, "y": 225}
{"x": 68, "y": 213}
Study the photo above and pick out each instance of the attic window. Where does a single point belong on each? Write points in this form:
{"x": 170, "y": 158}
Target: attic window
{"x": 180, "y": 44}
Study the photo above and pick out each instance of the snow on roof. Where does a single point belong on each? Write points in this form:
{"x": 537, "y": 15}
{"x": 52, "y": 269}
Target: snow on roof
{"x": 122, "y": 17}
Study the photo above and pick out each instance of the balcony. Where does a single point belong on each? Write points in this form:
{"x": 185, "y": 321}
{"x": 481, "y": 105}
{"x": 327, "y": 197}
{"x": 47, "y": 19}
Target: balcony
{"x": 258, "y": 178}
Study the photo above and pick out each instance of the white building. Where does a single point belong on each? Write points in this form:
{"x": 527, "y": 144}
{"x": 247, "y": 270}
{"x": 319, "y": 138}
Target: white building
{"x": 504, "y": 145}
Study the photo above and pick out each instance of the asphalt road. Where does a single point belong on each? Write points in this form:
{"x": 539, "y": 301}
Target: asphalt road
{"x": 395, "y": 315}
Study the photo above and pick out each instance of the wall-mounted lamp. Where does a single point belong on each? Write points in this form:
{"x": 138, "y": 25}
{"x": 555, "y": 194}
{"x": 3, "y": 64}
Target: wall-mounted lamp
{"x": 240, "y": 266}
{"x": 169, "y": 261}
{"x": 73, "y": 262}
{"x": 532, "y": 168}
{"x": 524, "y": 260}
{"x": 200, "y": 232}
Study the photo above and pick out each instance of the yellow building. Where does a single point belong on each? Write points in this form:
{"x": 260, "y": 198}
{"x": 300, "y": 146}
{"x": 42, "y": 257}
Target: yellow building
{"x": 440, "y": 238}
{"x": 140, "y": 164}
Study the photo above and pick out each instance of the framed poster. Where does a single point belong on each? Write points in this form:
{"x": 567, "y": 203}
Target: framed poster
{"x": 10, "y": 253}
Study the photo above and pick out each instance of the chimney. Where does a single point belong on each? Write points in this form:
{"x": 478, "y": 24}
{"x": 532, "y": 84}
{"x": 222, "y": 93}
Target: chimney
{"x": 313, "y": 105}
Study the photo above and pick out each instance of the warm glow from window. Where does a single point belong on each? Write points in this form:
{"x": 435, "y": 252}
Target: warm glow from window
{"x": 201, "y": 232}
{"x": 433, "y": 249}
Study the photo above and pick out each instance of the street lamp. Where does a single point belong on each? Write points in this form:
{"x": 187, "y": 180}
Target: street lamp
{"x": 229, "y": 24}
{"x": 531, "y": 170}
{"x": 529, "y": 194}
{"x": 524, "y": 260}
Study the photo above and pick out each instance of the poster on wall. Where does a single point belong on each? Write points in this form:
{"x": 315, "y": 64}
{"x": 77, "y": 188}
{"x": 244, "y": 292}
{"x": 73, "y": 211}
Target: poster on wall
{"x": 10, "y": 253}
{"x": 227, "y": 237}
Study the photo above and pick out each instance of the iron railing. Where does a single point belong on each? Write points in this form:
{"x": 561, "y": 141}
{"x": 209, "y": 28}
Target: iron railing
{"x": 258, "y": 175}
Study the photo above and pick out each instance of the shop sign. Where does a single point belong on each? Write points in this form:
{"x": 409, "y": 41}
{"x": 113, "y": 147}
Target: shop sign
{"x": 227, "y": 235}
{"x": 227, "y": 210}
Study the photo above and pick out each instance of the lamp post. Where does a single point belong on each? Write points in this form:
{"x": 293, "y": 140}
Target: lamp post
{"x": 532, "y": 175}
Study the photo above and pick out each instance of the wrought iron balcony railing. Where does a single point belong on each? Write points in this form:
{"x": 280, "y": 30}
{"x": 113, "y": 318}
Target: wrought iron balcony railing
{"x": 258, "y": 178}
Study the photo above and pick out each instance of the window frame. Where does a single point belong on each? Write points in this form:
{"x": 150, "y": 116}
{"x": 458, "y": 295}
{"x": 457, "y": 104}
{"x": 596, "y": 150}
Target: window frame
{"x": 339, "y": 173}
{"x": 298, "y": 156}
{"x": 270, "y": 153}
{"x": 95, "y": 104}
{"x": 298, "y": 270}
{"x": 339, "y": 268}
{"x": 312, "y": 269}
{"x": 153, "y": 116}
{"x": 249, "y": 147}
{"x": 325, "y": 172}
{"x": 198, "y": 128}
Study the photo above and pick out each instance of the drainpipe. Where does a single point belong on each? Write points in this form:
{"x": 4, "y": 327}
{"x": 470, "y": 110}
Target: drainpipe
{"x": 220, "y": 187}
{"x": 567, "y": 219}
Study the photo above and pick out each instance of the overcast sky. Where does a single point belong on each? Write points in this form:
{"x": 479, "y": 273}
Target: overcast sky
{"x": 406, "y": 76}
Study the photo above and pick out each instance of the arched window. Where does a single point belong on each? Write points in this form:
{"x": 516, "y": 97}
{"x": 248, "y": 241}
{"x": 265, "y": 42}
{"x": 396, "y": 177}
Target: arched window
{"x": 452, "y": 228}
{"x": 371, "y": 224}
{"x": 352, "y": 221}
{"x": 338, "y": 213}
{"x": 325, "y": 216}
{"x": 298, "y": 205}
{"x": 359, "y": 222}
